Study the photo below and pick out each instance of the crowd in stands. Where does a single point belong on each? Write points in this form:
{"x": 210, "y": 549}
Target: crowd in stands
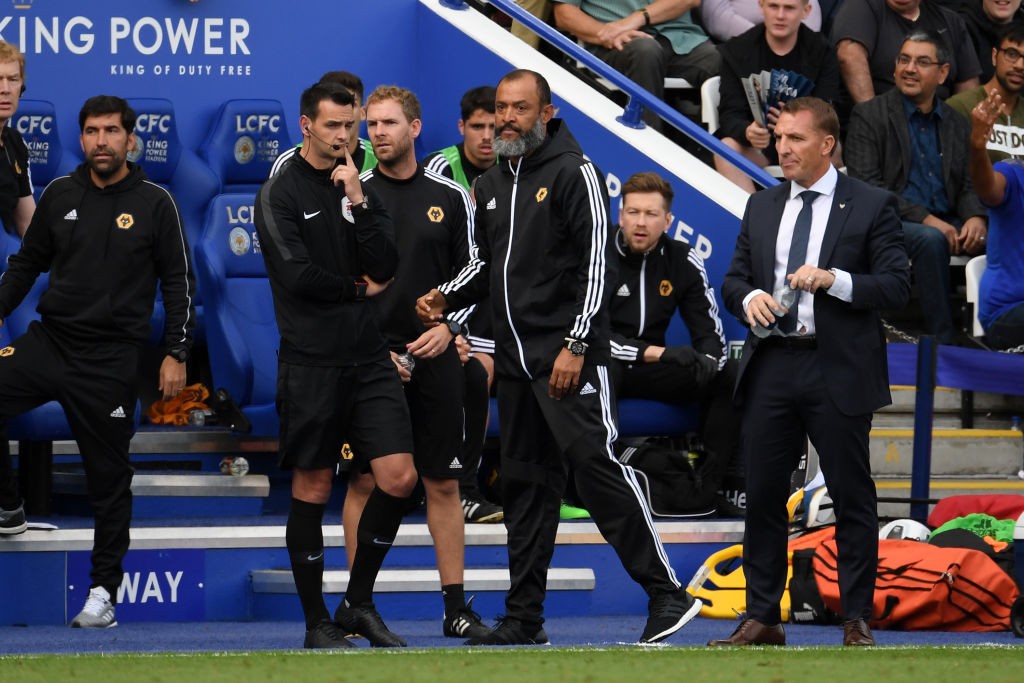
{"x": 905, "y": 120}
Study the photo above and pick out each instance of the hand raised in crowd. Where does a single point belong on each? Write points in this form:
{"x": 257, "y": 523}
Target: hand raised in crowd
{"x": 983, "y": 118}
{"x": 430, "y": 307}
{"x": 565, "y": 375}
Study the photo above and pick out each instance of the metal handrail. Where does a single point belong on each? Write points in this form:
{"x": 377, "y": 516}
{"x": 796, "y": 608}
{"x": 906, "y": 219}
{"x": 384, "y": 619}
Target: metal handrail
{"x": 632, "y": 115}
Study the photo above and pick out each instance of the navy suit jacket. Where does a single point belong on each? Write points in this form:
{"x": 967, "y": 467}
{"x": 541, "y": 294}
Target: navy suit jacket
{"x": 864, "y": 238}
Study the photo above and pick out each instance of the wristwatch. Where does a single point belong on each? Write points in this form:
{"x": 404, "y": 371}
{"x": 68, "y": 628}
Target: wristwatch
{"x": 361, "y": 206}
{"x": 576, "y": 347}
{"x": 179, "y": 353}
{"x": 456, "y": 328}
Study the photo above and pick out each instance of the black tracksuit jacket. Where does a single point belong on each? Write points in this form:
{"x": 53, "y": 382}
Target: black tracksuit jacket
{"x": 544, "y": 255}
{"x": 106, "y": 249}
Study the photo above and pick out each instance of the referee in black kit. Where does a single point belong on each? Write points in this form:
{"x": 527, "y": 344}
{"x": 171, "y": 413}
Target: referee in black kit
{"x": 329, "y": 247}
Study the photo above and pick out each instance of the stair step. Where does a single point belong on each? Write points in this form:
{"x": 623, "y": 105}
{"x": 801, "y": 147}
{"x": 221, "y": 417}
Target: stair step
{"x": 160, "y": 484}
{"x": 954, "y": 452}
{"x": 423, "y": 580}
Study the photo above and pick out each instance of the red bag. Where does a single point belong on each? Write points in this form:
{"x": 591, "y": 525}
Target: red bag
{"x": 999, "y": 505}
{"x": 923, "y": 587}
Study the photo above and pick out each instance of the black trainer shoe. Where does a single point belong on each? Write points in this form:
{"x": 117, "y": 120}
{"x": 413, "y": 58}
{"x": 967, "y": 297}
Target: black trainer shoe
{"x": 464, "y": 623}
{"x": 325, "y": 635}
{"x": 667, "y": 613}
{"x": 482, "y": 511}
{"x": 511, "y": 631}
{"x": 365, "y": 621}
{"x": 13, "y": 521}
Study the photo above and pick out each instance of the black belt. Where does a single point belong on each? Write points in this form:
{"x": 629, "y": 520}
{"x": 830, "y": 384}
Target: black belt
{"x": 791, "y": 342}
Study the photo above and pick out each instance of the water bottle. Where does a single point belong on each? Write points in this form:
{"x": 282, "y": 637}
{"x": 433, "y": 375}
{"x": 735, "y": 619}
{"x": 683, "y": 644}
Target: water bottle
{"x": 407, "y": 361}
{"x": 236, "y": 467}
{"x": 784, "y": 297}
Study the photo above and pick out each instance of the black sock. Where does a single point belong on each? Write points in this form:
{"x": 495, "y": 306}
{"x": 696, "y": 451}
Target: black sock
{"x": 454, "y": 598}
{"x": 304, "y": 538}
{"x": 378, "y": 526}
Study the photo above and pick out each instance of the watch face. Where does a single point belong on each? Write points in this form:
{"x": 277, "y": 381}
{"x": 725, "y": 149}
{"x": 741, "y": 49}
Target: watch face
{"x": 577, "y": 348}
{"x": 456, "y": 328}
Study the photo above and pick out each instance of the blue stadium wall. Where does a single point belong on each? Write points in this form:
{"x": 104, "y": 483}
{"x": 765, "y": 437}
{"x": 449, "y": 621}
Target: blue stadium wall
{"x": 199, "y": 54}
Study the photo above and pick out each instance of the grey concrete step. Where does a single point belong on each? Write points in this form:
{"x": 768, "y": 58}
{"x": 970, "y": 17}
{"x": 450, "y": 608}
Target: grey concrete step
{"x": 423, "y": 580}
{"x": 195, "y": 484}
{"x": 954, "y": 452}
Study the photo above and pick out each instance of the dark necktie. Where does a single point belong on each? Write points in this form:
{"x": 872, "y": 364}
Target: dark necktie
{"x": 798, "y": 253}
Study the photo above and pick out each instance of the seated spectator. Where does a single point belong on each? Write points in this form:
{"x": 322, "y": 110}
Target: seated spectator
{"x": 647, "y": 41}
{"x": 725, "y": 19}
{"x": 985, "y": 21}
{"x": 868, "y": 35}
{"x": 911, "y": 143}
{"x": 1007, "y": 57}
{"x": 658, "y": 276}
{"x": 1001, "y": 293}
{"x": 538, "y": 8}
{"x": 780, "y": 42}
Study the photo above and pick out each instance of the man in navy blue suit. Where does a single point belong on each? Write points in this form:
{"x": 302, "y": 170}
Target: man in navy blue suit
{"x": 822, "y": 369}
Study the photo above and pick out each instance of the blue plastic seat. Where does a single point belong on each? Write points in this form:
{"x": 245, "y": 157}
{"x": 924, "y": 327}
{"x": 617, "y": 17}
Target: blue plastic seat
{"x": 244, "y": 140}
{"x": 241, "y": 328}
{"x": 36, "y": 120}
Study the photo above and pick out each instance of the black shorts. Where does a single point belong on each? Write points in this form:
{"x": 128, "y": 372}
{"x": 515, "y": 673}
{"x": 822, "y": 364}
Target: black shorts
{"x": 435, "y": 397}
{"x": 322, "y": 408}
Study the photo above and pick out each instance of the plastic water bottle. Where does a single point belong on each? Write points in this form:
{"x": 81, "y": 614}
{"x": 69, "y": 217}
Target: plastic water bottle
{"x": 236, "y": 467}
{"x": 784, "y": 297}
{"x": 407, "y": 361}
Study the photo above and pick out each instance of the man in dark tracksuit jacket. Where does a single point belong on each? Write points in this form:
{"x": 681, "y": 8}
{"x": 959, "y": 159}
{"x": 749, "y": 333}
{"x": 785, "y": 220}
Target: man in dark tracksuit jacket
{"x": 107, "y": 236}
{"x": 659, "y": 276}
{"x": 544, "y": 255}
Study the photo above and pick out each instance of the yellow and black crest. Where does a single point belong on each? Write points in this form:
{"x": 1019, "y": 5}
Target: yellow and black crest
{"x": 6, "y": 351}
{"x": 665, "y": 288}
{"x": 125, "y": 221}
{"x": 541, "y": 194}
{"x": 435, "y": 214}
{"x": 346, "y": 452}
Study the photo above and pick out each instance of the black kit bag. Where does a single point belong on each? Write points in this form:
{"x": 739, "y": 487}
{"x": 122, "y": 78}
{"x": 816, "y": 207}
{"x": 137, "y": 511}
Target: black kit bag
{"x": 677, "y": 483}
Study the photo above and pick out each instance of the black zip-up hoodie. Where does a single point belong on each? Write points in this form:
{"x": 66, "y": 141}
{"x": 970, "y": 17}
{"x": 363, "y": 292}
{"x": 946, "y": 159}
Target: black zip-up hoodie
{"x": 106, "y": 249}
{"x": 544, "y": 255}
{"x": 650, "y": 289}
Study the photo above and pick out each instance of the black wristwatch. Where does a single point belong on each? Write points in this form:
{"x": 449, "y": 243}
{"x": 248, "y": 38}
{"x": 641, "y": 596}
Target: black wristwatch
{"x": 456, "y": 328}
{"x": 179, "y": 353}
{"x": 576, "y": 347}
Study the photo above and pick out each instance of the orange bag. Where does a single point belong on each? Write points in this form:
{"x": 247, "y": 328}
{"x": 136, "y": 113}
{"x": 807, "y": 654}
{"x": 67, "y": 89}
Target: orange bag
{"x": 175, "y": 411}
{"x": 928, "y": 588}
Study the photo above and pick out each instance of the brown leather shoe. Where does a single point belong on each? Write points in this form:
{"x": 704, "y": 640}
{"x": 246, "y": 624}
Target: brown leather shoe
{"x": 752, "y": 632}
{"x": 856, "y": 632}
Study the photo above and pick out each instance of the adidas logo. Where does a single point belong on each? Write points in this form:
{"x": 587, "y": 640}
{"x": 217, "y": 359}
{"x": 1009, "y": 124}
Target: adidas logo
{"x": 623, "y": 290}
{"x": 588, "y": 389}
{"x": 71, "y": 215}
{"x": 118, "y": 412}
{"x": 493, "y": 204}
{"x": 456, "y": 465}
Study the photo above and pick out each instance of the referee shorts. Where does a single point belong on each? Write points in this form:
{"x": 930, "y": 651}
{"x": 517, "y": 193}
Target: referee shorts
{"x": 322, "y": 408}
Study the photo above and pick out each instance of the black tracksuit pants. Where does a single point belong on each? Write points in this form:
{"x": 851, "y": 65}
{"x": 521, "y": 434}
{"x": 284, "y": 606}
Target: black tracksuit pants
{"x": 540, "y": 438}
{"x": 95, "y": 383}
